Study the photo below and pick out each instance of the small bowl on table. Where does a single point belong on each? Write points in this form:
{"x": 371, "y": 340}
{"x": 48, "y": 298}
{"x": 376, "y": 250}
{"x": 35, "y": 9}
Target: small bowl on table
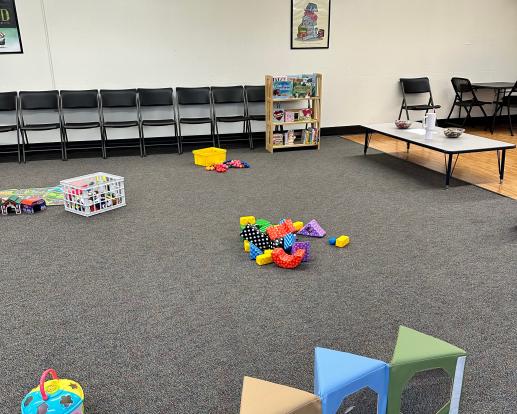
{"x": 403, "y": 124}
{"x": 453, "y": 132}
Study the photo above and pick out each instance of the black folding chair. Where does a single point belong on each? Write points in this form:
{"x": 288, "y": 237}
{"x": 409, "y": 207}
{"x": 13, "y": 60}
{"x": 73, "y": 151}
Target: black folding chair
{"x": 32, "y": 102}
{"x": 254, "y": 95}
{"x": 195, "y": 97}
{"x": 461, "y": 87}
{"x": 9, "y": 104}
{"x": 152, "y": 98}
{"x": 416, "y": 86}
{"x": 120, "y": 99}
{"x": 509, "y": 101}
{"x": 231, "y": 95}
{"x": 80, "y": 101}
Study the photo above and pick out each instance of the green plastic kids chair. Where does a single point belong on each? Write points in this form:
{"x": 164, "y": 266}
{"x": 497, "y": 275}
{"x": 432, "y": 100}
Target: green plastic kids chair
{"x": 416, "y": 352}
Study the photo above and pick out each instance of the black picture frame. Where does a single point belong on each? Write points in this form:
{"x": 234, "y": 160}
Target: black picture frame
{"x": 12, "y": 7}
{"x": 292, "y": 39}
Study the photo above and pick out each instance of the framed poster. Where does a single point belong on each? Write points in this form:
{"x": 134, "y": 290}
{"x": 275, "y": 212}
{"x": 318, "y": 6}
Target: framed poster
{"x": 10, "y": 40}
{"x": 310, "y": 24}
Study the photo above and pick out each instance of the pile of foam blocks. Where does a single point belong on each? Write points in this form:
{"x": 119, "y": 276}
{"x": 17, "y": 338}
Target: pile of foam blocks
{"x": 268, "y": 243}
{"x": 225, "y": 166}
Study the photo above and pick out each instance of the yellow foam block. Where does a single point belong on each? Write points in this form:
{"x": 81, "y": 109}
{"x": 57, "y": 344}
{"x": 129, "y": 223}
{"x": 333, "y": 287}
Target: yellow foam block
{"x": 247, "y": 220}
{"x": 298, "y": 225}
{"x": 246, "y": 246}
{"x": 342, "y": 241}
{"x": 265, "y": 259}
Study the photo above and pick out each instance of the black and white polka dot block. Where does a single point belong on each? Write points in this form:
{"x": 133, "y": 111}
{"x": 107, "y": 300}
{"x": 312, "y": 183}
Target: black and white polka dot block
{"x": 255, "y": 236}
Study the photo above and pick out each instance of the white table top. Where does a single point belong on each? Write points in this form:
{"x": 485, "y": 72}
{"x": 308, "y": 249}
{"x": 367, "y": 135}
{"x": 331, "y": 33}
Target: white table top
{"x": 438, "y": 141}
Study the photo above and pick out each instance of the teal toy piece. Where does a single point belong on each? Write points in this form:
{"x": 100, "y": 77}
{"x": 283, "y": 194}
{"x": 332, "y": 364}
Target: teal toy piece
{"x": 332, "y": 241}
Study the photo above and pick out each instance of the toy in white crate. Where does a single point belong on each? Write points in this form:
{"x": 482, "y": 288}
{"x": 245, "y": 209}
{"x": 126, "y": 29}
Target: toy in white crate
{"x": 93, "y": 193}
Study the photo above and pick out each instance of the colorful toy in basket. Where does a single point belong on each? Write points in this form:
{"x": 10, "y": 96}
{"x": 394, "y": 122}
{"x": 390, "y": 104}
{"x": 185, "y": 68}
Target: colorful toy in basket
{"x": 94, "y": 193}
{"x": 56, "y": 396}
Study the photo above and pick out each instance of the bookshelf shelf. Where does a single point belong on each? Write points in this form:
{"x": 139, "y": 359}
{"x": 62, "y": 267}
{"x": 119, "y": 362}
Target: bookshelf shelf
{"x": 313, "y": 98}
{"x": 275, "y": 131}
{"x": 307, "y": 121}
{"x": 295, "y": 146}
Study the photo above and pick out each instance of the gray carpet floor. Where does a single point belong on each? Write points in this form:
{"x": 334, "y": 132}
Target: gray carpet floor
{"x": 155, "y": 307}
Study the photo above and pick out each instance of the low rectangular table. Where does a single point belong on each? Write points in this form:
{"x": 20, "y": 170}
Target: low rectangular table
{"x": 439, "y": 142}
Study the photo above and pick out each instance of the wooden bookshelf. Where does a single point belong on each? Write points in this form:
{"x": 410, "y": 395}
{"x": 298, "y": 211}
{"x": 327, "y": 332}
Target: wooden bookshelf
{"x": 272, "y": 125}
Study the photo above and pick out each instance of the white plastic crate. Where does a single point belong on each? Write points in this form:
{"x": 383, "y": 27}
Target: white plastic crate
{"x": 93, "y": 193}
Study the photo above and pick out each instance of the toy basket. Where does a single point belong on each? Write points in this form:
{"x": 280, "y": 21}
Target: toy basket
{"x": 58, "y": 396}
{"x": 209, "y": 156}
{"x": 93, "y": 193}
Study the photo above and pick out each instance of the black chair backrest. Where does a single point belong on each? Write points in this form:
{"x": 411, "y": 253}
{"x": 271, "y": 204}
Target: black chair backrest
{"x": 155, "y": 97}
{"x": 193, "y": 96}
{"x": 8, "y": 101}
{"x": 228, "y": 94}
{"x": 34, "y": 100}
{"x": 415, "y": 85}
{"x": 118, "y": 98}
{"x": 255, "y": 93}
{"x": 80, "y": 99}
{"x": 462, "y": 85}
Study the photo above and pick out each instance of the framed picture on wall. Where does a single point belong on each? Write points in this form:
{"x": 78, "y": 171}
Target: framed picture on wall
{"x": 310, "y": 24}
{"x": 10, "y": 39}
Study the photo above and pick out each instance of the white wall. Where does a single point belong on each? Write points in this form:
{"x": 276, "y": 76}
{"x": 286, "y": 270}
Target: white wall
{"x": 135, "y": 43}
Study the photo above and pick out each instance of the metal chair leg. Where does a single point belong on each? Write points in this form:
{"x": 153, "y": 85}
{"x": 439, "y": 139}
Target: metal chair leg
{"x": 251, "y": 135}
{"x": 62, "y": 134}
{"x": 177, "y": 138}
{"x": 180, "y": 136}
{"x": 248, "y": 130}
{"x": 18, "y": 145}
{"x": 142, "y": 141}
{"x": 24, "y": 139}
{"x": 216, "y": 133}
{"x": 105, "y": 135}
{"x": 103, "y": 146}
{"x": 510, "y": 119}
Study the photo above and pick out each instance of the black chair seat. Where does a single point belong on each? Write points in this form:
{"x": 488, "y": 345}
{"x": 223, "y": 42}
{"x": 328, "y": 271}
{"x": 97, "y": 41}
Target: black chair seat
{"x": 7, "y": 128}
{"x": 158, "y": 122}
{"x": 423, "y": 107}
{"x": 234, "y": 118}
{"x": 82, "y": 125}
{"x": 41, "y": 127}
{"x": 472, "y": 102}
{"x": 195, "y": 120}
{"x": 257, "y": 117}
{"x": 120, "y": 124}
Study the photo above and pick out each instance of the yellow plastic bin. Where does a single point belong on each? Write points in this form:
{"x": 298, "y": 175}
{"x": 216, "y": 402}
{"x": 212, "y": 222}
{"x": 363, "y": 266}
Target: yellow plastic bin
{"x": 209, "y": 156}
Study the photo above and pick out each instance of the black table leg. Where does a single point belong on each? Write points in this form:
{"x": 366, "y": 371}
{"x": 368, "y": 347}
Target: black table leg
{"x": 367, "y": 138}
{"x": 501, "y": 162}
{"x": 449, "y": 171}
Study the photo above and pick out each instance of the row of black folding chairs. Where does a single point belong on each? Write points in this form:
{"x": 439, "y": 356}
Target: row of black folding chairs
{"x": 134, "y": 101}
{"x": 465, "y": 98}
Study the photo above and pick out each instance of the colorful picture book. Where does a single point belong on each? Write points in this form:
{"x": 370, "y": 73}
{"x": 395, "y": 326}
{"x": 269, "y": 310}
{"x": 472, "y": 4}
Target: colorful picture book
{"x": 310, "y": 136}
{"x": 294, "y": 86}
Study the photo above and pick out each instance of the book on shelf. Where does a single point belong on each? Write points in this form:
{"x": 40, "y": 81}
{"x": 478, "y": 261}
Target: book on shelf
{"x": 310, "y": 136}
{"x": 294, "y": 86}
